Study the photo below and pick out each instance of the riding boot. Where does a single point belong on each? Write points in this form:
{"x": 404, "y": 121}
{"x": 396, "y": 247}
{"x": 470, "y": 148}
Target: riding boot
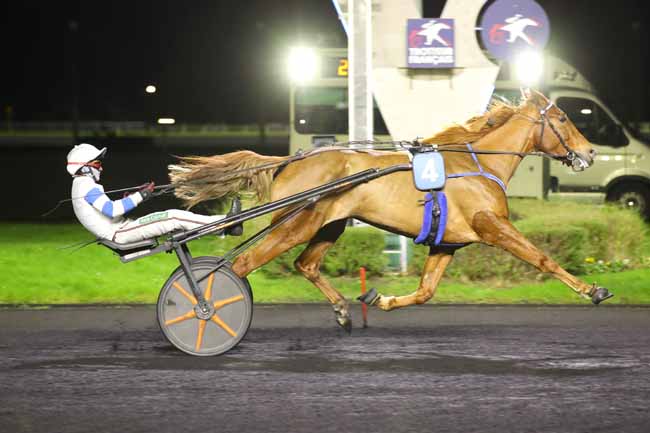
{"x": 235, "y": 208}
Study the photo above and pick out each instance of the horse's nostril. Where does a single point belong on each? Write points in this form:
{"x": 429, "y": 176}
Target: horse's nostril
{"x": 592, "y": 152}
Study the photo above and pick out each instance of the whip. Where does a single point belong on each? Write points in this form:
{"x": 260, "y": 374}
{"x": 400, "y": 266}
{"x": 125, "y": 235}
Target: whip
{"x": 165, "y": 189}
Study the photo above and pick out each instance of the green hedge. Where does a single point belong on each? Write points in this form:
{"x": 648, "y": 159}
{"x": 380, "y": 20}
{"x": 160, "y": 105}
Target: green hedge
{"x": 358, "y": 246}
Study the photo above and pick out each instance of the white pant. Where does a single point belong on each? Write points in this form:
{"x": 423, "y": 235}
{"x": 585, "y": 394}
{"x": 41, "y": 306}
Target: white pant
{"x": 160, "y": 223}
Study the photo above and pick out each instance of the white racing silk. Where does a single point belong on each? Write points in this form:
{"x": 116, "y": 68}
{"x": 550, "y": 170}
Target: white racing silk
{"x": 104, "y": 217}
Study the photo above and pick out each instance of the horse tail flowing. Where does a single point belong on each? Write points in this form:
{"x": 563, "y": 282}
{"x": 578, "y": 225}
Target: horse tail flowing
{"x": 200, "y": 178}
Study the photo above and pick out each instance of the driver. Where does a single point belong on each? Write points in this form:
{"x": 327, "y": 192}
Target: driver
{"x": 105, "y": 218}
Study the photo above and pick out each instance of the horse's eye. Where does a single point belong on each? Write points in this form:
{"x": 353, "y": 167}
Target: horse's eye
{"x": 562, "y": 119}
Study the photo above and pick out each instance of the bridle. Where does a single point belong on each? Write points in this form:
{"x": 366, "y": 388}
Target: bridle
{"x": 571, "y": 157}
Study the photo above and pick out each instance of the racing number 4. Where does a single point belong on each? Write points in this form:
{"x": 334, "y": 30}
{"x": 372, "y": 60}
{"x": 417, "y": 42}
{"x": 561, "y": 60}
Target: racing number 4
{"x": 429, "y": 172}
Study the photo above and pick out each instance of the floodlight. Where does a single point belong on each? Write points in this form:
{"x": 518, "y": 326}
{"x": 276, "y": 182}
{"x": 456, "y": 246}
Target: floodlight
{"x": 166, "y": 121}
{"x": 585, "y": 111}
{"x": 303, "y": 64}
{"x": 529, "y": 67}
{"x": 150, "y": 88}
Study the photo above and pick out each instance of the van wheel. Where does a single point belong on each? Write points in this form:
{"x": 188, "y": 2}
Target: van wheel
{"x": 632, "y": 196}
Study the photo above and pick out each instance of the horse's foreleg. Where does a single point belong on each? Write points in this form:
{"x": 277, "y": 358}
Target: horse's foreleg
{"x": 498, "y": 231}
{"x": 434, "y": 267}
{"x": 309, "y": 263}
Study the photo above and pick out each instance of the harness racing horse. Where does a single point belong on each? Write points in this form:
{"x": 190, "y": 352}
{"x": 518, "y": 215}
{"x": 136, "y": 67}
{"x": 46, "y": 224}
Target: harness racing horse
{"x": 477, "y": 206}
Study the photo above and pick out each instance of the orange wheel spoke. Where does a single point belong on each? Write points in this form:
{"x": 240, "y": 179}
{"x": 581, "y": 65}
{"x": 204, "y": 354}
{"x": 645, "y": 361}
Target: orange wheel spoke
{"x": 224, "y": 302}
{"x": 199, "y": 337}
{"x": 216, "y": 319}
{"x": 208, "y": 289}
{"x": 180, "y": 288}
{"x": 182, "y": 318}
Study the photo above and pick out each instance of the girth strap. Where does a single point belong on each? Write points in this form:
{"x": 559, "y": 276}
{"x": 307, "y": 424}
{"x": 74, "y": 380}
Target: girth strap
{"x": 434, "y": 219}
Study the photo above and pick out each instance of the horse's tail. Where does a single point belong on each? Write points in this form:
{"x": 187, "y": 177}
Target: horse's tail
{"x": 200, "y": 178}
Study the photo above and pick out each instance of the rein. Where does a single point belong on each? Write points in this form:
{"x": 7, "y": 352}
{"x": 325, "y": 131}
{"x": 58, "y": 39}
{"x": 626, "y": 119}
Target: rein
{"x": 165, "y": 189}
{"x": 361, "y": 145}
{"x": 405, "y": 145}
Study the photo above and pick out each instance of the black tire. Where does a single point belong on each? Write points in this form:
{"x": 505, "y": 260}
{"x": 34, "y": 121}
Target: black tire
{"x": 634, "y": 196}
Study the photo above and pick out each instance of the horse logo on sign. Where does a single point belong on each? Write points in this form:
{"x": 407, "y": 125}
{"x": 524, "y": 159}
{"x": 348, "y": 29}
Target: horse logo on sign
{"x": 509, "y": 27}
{"x": 431, "y": 31}
{"x": 516, "y": 27}
{"x": 430, "y": 43}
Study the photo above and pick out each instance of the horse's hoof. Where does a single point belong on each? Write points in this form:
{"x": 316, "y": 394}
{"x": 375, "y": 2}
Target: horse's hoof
{"x": 345, "y": 323}
{"x": 370, "y": 298}
{"x": 600, "y": 294}
{"x": 343, "y": 316}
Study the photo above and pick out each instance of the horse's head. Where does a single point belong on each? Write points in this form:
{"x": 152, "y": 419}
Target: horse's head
{"x": 555, "y": 134}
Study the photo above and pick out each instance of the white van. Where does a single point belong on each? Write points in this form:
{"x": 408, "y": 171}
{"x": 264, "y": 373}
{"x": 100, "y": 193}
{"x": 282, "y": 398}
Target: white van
{"x": 621, "y": 171}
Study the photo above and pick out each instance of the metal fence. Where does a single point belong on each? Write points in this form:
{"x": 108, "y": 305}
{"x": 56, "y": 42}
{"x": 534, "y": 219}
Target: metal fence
{"x": 140, "y": 128}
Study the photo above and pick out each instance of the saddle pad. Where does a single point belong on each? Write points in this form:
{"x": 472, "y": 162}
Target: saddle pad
{"x": 428, "y": 171}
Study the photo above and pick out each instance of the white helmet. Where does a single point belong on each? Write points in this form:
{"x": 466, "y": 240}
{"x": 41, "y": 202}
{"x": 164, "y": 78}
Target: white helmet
{"x": 82, "y": 154}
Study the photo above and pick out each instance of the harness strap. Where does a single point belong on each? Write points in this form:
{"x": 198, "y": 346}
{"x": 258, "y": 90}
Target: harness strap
{"x": 480, "y": 171}
{"x": 430, "y": 218}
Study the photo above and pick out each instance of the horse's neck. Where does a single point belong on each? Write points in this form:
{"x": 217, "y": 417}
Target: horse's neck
{"x": 513, "y": 136}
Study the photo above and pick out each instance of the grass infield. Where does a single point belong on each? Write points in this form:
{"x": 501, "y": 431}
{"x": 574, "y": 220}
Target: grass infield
{"x": 34, "y": 270}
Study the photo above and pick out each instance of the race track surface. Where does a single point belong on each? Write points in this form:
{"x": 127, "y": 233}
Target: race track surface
{"x": 424, "y": 369}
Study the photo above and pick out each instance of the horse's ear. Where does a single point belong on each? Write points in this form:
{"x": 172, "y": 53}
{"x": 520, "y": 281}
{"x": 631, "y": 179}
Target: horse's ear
{"x": 539, "y": 96}
{"x": 535, "y": 97}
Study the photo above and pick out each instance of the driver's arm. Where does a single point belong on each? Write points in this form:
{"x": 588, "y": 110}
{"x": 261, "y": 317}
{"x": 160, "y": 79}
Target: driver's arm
{"x": 110, "y": 208}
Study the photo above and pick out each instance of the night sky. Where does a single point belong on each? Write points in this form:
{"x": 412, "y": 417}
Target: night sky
{"x": 223, "y": 61}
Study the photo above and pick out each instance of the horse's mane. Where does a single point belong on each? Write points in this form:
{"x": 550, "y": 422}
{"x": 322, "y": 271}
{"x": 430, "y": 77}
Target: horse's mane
{"x": 475, "y": 128}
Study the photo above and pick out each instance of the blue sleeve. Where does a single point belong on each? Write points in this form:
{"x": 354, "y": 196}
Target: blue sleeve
{"x": 100, "y": 201}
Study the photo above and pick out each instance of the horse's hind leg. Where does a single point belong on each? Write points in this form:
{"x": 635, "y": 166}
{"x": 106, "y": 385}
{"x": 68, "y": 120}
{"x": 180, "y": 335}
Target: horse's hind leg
{"x": 434, "y": 268}
{"x": 297, "y": 230}
{"x": 309, "y": 263}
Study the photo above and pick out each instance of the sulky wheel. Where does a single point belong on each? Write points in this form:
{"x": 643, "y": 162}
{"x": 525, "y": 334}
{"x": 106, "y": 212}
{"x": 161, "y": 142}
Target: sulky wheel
{"x": 205, "y": 333}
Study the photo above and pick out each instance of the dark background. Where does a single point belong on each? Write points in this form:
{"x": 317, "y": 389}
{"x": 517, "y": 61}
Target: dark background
{"x": 219, "y": 61}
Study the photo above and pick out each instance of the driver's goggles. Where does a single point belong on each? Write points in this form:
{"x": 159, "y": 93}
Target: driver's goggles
{"x": 95, "y": 164}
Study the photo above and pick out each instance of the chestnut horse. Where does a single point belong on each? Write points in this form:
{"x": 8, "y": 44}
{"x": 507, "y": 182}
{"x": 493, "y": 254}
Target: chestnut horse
{"x": 477, "y": 206}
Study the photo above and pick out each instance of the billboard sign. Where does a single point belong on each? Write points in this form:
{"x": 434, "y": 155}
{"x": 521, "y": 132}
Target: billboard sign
{"x": 430, "y": 43}
{"x": 509, "y": 27}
